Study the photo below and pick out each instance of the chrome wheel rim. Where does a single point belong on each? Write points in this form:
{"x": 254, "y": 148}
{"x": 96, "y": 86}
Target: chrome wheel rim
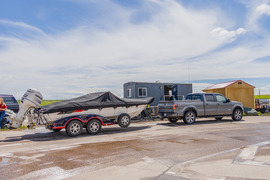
{"x": 125, "y": 120}
{"x": 238, "y": 114}
{"x": 190, "y": 117}
{"x": 94, "y": 127}
{"x": 75, "y": 128}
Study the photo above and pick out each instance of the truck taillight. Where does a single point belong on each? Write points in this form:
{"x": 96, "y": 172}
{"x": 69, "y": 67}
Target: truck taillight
{"x": 173, "y": 106}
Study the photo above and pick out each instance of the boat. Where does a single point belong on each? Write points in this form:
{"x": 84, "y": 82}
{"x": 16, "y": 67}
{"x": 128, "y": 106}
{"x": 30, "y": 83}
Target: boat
{"x": 100, "y": 103}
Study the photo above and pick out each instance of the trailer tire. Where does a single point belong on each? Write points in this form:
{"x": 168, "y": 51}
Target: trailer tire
{"x": 237, "y": 114}
{"x": 74, "y": 128}
{"x": 189, "y": 117}
{"x": 173, "y": 120}
{"x": 93, "y": 127}
{"x": 124, "y": 120}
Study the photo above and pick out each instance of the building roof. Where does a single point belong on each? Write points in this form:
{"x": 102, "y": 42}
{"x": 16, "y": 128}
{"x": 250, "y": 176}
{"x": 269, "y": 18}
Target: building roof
{"x": 224, "y": 85}
{"x": 157, "y": 83}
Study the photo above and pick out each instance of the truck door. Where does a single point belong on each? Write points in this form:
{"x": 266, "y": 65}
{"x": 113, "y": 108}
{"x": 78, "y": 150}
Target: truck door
{"x": 224, "y": 107}
{"x": 211, "y": 105}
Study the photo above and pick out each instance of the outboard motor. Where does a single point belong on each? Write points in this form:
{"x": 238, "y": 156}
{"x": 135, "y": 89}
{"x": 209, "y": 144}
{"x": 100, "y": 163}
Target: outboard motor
{"x": 31, "y": 99}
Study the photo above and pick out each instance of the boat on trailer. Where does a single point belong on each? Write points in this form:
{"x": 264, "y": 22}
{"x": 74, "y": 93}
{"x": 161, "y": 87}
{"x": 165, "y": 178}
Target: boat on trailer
{"x": 90, "y": 111}
{"x": 105, "y": 107}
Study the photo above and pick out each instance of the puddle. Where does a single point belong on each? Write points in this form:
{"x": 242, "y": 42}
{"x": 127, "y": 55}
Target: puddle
{"x": 4, "y": 161}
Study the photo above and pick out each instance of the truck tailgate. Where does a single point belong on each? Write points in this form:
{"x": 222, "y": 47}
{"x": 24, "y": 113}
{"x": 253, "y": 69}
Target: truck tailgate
{"x": 165, "y": 107}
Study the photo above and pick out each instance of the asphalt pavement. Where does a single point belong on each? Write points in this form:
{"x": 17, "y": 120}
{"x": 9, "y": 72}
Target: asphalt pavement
{"x": 209, "y": 149}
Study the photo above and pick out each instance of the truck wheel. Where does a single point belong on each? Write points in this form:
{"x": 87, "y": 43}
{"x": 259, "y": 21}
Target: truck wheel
{"x": 124, "y": 120}
{"x": 237, "y": 114}
{"x": 173, "y": 120}
{"x": 93, "y": 127}
{"x": 74, "y": 128}
{"x": 189, "y": 117}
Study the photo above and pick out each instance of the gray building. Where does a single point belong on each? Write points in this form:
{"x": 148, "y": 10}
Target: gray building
{"x": 158, "y": 90}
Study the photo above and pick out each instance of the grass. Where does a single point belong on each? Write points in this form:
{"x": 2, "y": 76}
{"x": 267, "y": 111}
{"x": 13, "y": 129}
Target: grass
{"x": 45, "y": 102}
{"x": 262, "y": 97}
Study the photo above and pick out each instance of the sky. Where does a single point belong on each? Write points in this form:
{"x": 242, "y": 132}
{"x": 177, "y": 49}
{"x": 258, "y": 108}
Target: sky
{"x": 67, "y": 48}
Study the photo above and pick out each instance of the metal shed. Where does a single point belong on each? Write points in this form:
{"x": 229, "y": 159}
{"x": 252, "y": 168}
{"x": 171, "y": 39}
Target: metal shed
{"x": 237, "y": 90}
{"x": 158, "y": 90}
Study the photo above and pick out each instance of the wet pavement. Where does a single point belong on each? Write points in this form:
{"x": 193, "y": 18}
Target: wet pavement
{"x": 209, "y": 149}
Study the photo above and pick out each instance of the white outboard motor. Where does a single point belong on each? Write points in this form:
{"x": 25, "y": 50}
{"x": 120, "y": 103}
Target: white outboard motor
{"x": 31, "y": 99}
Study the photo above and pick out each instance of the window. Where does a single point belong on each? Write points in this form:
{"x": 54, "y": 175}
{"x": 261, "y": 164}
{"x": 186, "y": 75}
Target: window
{"x": 209, "y": 97}
{"x": 9, "y": 100}
{"x": 189, "y": 97}
{"x": 194, "y": 97}
{"x": 220, "y": 98}
{"x": 129, "y": 92}
{"x": 142, "y": 92}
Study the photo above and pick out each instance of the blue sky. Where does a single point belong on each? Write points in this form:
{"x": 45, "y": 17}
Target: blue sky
{"x": 65, "y": 48}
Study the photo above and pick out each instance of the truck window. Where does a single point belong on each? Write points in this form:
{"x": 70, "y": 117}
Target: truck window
{"x": 220, "y": 98}
{"x": 189, "y": 97}
{"x": 209, "y": 97}
{"x": 194, "y": 97}
{"x": 9, "y": 100}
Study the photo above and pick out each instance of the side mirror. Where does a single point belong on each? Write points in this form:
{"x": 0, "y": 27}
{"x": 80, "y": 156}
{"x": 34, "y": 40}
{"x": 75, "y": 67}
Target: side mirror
{"x": 228, "y": 100}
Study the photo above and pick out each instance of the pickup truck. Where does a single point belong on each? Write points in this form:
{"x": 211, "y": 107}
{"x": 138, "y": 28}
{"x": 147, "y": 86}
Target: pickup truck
{"x": 200, "y": 105}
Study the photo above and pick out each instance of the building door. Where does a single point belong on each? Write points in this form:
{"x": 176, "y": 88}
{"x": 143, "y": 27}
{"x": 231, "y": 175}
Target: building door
{"x": 175, "y": 91}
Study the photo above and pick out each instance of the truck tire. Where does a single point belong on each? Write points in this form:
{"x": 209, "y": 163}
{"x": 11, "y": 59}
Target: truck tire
{"x": 74, "y": 128}
{"x": 189, "y": 117}
{"x": 93, "y": 127}
{"x": 237, "y": 114}
{"x": 124, "y": 120}
{"x": 173, "y": 120}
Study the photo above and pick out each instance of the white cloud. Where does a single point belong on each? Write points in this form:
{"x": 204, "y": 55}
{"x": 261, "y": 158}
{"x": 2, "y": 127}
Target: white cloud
{"x": 87, "y": 59}
{"x": 21, "y": 25}
{"x": 223, "y": 34}
{"x": 263, "y": 9}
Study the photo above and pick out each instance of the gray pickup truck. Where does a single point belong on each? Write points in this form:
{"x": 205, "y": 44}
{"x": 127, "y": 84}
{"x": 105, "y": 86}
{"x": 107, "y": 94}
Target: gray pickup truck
{"x": 200, "y": 105}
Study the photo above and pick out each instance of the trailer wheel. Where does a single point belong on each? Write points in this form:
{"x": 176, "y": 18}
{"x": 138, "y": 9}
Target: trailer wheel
{"x": 74, "y": 128}
{"x": 93, "y": 127}
{"x": 124, "y": 120}
{"x": 237, "y": 114}
{"x": 189, "y": 117}
{"x": 173, "y": 120}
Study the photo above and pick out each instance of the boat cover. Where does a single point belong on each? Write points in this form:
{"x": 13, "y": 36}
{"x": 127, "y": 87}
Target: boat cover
{"x": 93, "y": 101}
